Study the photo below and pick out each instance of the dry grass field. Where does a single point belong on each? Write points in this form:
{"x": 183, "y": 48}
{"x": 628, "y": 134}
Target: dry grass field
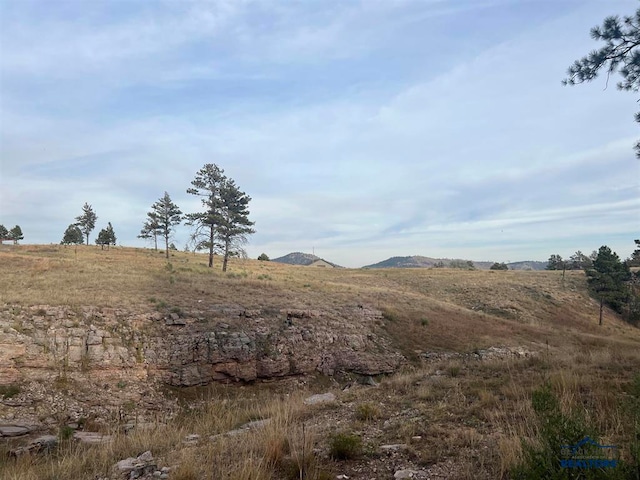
{"x": 453, "y": 415}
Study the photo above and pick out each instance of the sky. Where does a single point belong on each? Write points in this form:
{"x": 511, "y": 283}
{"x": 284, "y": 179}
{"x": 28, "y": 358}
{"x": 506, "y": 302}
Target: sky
{"x": 360, "y": 129}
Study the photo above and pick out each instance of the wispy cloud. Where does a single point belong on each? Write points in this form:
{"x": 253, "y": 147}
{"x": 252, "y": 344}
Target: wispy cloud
{"x": 363, "y": 129}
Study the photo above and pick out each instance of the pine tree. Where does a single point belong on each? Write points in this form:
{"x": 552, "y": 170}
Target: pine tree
{"x": 15, "y": 234}
{"x": 150, "y": 229}
{"x": 106, "y": 237}
{"x": 634, "y": 260}
{"x": 111, "y": 234}
{"x": 555, "y": 262}
{"x": 620, "y": 53}
{"x": 87, "y": 221}
{"x": 168, "y": 216}
{"x": 607, "y": 279}
{"x": 72, "y": 236}
{"x": 4, "y": 233}
{"x": 579, "y": 261}
{"x": 234, "y": 224}
{"x": 207, "y": 185}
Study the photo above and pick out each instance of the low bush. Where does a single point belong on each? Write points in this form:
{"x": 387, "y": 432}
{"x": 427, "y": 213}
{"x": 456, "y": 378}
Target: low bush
{"x": 367, "y": 411}
{"x": 344, "y": 446}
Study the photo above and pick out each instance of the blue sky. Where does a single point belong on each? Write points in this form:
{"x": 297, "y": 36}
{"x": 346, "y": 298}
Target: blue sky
{"x": 361, "y": 129}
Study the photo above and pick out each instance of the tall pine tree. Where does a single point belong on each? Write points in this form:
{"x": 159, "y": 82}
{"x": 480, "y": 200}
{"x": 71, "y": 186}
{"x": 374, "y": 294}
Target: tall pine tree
{"x": 234, "y": 224}
{"x": 150, "y": 229}
{"x": 607, "y": 279}
{"x": 224, "y": 223}
{"x": 87, "y": 221}
{"x": 207, "y": 185}
{"x": 168, "y": 216}
{"x": 620, "y": 53}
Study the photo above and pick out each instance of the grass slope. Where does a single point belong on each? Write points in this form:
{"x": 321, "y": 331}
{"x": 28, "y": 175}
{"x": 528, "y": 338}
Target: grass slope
{"x": 456, "y": 417}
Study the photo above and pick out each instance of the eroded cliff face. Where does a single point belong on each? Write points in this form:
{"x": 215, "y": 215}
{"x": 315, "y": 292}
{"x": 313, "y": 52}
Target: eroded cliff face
{"x": 185, "y": 348}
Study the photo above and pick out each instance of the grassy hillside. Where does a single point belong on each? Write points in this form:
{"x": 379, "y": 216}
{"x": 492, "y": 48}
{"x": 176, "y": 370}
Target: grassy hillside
{"x": 425, "y": 309}
{"x": 456, "y": 410}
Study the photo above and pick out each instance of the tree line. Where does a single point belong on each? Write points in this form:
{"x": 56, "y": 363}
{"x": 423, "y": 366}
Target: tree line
{"x": 85, "y": 223}
{"x": 221, "y": 227}
{"x": 610, "y": 279}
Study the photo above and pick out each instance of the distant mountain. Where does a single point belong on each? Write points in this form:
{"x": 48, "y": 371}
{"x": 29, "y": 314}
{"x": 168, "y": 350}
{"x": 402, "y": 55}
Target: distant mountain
{"x": 527, "y": 265}
{"x": 417, "y": 261}
{"x": 297, "y": 258}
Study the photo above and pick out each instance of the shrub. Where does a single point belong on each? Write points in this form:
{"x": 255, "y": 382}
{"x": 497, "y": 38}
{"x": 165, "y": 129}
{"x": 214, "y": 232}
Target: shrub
{"x": 462, "y": 264}
{"x": 499, "y": 266}
{"x": 8, "y": 391}
{"x": 542, "y": 460}
{"x": 389, "y": 315}
{"x": 454, "y": 371}
{"x": 66, "y": 432}
{"x": 367, "y": 411}
{"x": 344, "y": 446}
{"x": 263, "y": 257}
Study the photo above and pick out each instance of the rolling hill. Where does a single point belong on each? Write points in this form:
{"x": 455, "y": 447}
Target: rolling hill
{"x": 418, "y": 261}
{"x": 299, "y": 258}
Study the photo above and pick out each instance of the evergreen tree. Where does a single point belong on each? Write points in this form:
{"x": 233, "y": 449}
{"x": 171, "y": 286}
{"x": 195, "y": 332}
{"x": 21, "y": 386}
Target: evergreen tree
{"x": 87, "y": 221}
{"x": 620, "y": 53}
{"x": 555, "y": 262}
{"x": 499, "y": 266}
{"x": 15, "y": 234}
{"x": 263, "y": 257}
{"x": 634, "y": 260}
{"x": 4, "y": 233}
{"x": 225, "y": 223}
{"x": 72, "y": 236}
{"x": 234, "y": 224}
{"x": 579, "y": 261}
{"x": 106, "y": 237}
{"x": 168, "y": 216}
{"x": 607, "y": 279}
{"x": 150, "y": 229}
{"x": 207, "y": 185}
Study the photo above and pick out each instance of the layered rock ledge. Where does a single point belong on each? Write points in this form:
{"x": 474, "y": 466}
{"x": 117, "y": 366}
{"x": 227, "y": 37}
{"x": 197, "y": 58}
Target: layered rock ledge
{"x": 186, "y": 348}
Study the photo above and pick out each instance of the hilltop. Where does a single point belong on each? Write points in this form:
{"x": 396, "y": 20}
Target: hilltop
{"x": 417, "y": 261}
{"x": 431, "y": 369}
{"x": 299, "y": 258}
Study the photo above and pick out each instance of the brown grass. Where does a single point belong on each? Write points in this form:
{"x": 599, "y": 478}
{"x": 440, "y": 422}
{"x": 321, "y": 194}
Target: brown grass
{"x": 465, "y": 414}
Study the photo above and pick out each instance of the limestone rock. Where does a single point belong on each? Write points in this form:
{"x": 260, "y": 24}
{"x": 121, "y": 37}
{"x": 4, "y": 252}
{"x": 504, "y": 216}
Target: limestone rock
{"x": 320, "y": 398}
{"x": 16, "y": 429}
{"x": 225, "y": 343}
{"x": 393, "y": 447}
{"x": 133, "y": 468}
{"x": 404, "y": 474}
{"x": 41, "y": 444}
{"x": 91, "y": 438}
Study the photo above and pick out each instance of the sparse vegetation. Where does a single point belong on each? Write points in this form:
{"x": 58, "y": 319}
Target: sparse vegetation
{"x": 499, "y": 266}
{"x": 9, "y": 391}
{"x": 463, "y": 412}
{"x": 345, "y": 446}
{"x": 367, "y": 412}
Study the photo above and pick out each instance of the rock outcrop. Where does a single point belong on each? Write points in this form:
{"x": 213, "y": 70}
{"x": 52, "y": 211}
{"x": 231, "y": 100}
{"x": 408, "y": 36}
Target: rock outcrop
{"x": 212, "y": 343}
